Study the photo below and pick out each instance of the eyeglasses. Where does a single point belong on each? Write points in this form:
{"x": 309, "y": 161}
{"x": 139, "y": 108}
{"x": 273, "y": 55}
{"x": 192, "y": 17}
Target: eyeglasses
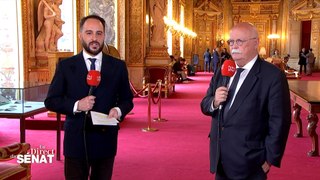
{"x": 239, "y": 42}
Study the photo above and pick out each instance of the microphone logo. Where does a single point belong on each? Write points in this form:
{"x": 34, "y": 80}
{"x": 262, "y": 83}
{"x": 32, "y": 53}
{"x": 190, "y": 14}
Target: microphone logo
{"x": 231, "y": 69}
{"x": 93, "y": 78}
{"x": 90, "y": 78}
{"x": 228, "y": 68}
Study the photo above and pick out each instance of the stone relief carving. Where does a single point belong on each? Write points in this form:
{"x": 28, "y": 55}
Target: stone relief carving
{"x": 105, "y": 9}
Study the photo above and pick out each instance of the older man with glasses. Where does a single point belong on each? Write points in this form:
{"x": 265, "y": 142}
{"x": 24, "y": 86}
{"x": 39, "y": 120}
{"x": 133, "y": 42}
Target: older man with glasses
{"x": 249, "y": 133}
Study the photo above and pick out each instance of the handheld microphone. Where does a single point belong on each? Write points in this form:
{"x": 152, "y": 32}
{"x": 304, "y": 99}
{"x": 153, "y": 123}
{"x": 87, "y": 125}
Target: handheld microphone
{"x": 228, "y": 69}
{"x": 93, "y": 80}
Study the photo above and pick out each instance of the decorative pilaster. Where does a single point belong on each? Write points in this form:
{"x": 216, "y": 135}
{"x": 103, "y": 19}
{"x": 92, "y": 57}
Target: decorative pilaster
{"x": 135, "y": 40}
{"x": 315, "y": 36}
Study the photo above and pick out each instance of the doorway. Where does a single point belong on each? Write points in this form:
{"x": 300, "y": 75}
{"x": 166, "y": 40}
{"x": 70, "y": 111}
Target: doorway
{"x": 305, "y": 34}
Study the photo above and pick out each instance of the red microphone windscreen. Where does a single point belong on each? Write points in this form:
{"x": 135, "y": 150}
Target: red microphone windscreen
{"x": 93, "y": 78}
{"x": 228, "y": 68}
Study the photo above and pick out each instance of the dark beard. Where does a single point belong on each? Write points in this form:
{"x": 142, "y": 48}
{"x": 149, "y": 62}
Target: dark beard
{"x": 86, "y": 47}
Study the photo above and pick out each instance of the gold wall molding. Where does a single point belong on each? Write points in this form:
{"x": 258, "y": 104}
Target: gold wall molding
{"x": 188, "y": 22}
{"x": 315, "y": 36}
{"x": 256, "y": 9}
{"x": 175, "y": 38}
{"x": 159, "y": 52}
{"x": 136, "y": 32}
{"x": 208, "y": 24}
{"x": 122, "y": 28}
{"x": 306, "y": 10}
{"x": 263, "y": 14}
{"x": 210, "y": 8}
{"x": 81, "y": 11}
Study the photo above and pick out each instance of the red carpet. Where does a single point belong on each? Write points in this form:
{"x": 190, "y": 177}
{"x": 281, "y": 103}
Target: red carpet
{"x": 178, "y": 151}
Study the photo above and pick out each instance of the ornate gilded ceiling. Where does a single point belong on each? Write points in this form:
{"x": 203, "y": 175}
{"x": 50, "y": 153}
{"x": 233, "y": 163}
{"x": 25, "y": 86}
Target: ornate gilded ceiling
{"x": 305, "y": 10}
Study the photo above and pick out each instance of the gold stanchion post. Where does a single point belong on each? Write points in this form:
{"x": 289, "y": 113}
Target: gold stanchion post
{"x": 149, "y": 128}
{"x": 159, "y": 119}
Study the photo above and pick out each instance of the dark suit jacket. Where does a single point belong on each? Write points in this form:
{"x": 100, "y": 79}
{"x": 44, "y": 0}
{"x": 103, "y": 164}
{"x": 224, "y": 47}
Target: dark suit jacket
{"x": 257, "y": 125}
{"x": 69, "y": 85}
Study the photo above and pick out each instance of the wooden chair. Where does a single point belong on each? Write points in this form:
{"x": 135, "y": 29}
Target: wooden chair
{"x": 279, "y": 63}
{"x": 154, "y": 73}
{"x": 10, "y": 170}
{"x": 111, "y": 50}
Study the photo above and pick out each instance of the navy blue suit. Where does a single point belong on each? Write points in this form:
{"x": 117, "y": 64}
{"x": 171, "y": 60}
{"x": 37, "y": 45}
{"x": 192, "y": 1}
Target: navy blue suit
{"x": 69, "y": 85}
{"x": 257, "y": 125}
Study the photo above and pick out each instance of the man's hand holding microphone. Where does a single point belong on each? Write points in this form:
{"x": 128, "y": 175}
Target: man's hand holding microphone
{"x": 86, "y": 103}
{"x": 93, "y": 80}
{"x": 228, "y": 69}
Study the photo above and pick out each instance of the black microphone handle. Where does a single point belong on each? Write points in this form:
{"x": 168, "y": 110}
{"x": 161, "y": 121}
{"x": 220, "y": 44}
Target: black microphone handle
{"x": 90, "y": 90}
{"x": 225, "y": 81}
{"x": 89, "y": 94}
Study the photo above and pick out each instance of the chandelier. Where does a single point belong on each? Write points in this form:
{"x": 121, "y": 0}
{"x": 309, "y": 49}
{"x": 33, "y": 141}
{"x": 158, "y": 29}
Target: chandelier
{"x": 178, "y": 29}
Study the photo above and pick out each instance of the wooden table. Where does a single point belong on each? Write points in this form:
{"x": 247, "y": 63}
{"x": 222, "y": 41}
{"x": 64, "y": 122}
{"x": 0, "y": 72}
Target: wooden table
{"x": 22, "y": 112}
{"x": 306, "y": 94}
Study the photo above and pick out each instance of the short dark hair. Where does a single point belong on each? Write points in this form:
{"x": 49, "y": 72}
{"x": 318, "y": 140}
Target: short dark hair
{"x": 92, "y": 16}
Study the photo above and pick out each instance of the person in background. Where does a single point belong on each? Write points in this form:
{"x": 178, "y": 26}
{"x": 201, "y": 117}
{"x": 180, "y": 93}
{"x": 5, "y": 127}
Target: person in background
{"x": 215, "y": 59}
{"x": 250, "y": 120}
{"x": 310, "y": 62}
{"x": 173, "y": 60}
{"x": 285, "y": 61}
{"x": 303, "y": 60}
{"x": 90, "y": 149}
{"x": 224, "y": 55}
{"x": 179, "y": 69}
{"x": 190, "y": 69}
{"x": 207, "y": 60}
{"x": 276, "y": 54}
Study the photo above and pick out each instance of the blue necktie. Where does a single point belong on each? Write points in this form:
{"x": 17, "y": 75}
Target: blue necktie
{"x": 93, "y": 65}
{"x": 231, "y": 91}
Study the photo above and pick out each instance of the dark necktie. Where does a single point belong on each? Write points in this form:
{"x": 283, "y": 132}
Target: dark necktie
{"x": 93, "y": 65}
{"x": 231, "y": 91}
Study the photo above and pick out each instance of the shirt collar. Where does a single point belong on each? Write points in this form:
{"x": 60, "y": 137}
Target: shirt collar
{"x": 250, "y": 64}
{"x": 98, "y": 56}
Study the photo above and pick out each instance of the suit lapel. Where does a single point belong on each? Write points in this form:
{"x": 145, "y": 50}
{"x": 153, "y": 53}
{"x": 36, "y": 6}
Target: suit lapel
{"x": 106, "y": 67}
{"x": 245, "y": 88}
{"x": 81, "y": 70}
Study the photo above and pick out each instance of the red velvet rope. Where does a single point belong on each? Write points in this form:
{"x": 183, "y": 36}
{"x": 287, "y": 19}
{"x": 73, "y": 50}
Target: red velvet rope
{"x": 137, "y": 93}
{"x": 159, "y": 87}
